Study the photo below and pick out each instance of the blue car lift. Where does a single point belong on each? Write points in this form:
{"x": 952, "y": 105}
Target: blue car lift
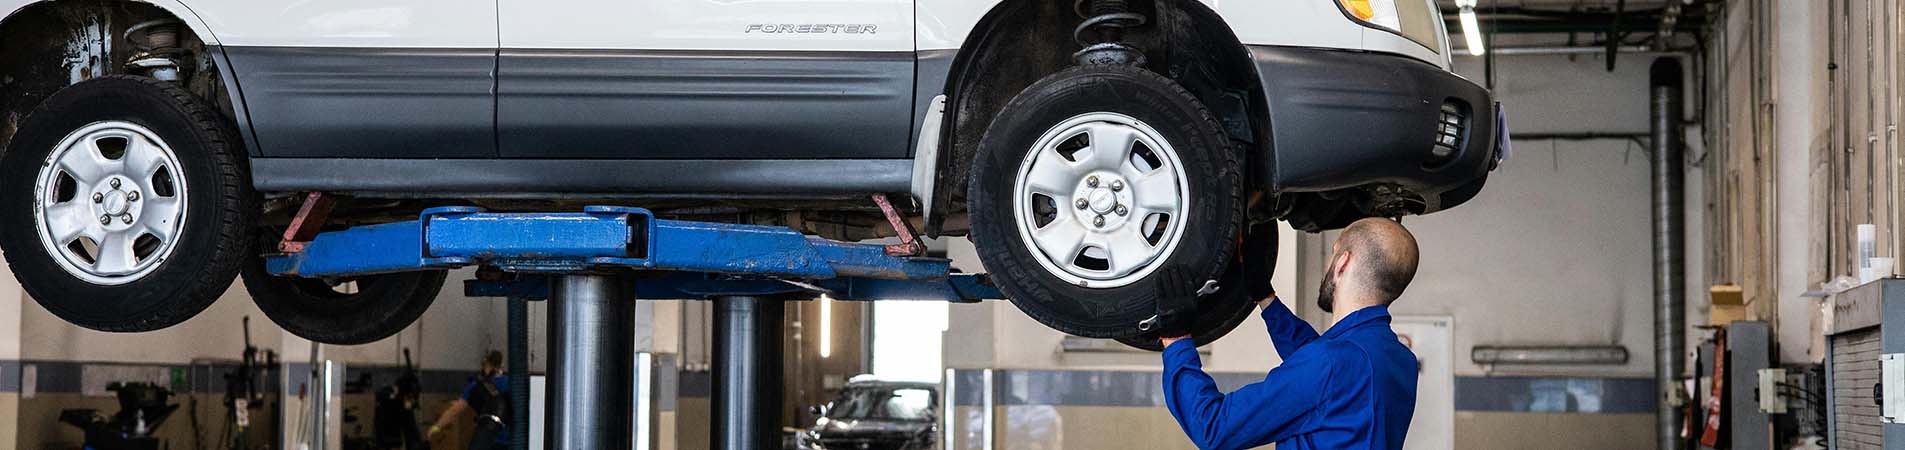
{"x": 591, "y": 265}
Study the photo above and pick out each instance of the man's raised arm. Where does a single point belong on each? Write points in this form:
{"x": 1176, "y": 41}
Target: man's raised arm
{"x": 1287, "y": 331}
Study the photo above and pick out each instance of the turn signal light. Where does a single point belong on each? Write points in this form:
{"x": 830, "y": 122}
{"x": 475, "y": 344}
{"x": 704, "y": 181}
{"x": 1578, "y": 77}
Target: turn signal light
{"x": 1360, "y": 9}
{"x": 1380, "y": 13}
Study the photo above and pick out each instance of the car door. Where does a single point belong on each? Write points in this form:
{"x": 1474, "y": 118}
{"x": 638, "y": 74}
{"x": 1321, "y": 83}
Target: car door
{"x": 363, "y": 78}
{"x": 705, "y": 79}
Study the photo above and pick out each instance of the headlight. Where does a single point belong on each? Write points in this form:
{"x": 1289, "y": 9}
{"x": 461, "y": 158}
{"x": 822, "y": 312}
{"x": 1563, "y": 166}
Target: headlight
{"x": 1417, "y": 20}
{"x": 1381, "y": 13}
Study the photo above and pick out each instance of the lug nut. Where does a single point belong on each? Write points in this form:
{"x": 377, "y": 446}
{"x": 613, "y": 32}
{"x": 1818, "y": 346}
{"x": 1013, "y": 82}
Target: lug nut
{"x": 1098, "y": 221}
{"x": 1122, "y": 211}
{"x": 105, "y": 220}
{"x": 114, "y": 183}
{"x": 1117, "y": 185}
{"x": 97, "y": 197}
{"x": 132, "y": 196}
{"x": 1082, "y": 203}
{"x": 1089, "y": 181}
{"x": 127, "y": 218}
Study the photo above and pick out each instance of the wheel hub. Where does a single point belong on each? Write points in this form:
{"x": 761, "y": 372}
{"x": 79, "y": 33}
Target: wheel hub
{"x": 1102, "y": 202}
{"x": 115, "y": 201}
{"x": 1115, "y": 189}
{"x": 110, "y": 203}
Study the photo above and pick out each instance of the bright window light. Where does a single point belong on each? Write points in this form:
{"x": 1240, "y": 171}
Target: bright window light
{"x": 826, "y": 327}
{"x": 907, "y": 337}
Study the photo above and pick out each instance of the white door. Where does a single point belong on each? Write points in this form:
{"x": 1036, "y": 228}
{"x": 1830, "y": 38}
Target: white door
{"x": 723, "y": 25}
{"x": 1432, "y": 340}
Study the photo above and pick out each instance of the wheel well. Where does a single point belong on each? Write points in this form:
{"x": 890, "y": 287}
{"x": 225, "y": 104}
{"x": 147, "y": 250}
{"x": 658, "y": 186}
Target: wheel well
{"x": 51, "y": 45}
{"x": 1020, "y": 41}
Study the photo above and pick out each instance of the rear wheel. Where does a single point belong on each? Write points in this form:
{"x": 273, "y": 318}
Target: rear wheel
{"x": 343, "y": 311}
{"x": 1091, "y": 179}
{"x": 124, "y": 202}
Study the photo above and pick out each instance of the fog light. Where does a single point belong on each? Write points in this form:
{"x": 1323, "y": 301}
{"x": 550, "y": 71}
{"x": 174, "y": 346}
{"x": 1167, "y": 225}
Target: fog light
{"x": 1450, "y": 129}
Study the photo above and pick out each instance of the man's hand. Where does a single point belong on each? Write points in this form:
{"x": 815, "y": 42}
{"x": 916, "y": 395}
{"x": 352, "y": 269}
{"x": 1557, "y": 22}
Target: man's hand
{"x": 1177, "y": 302}
{"x": 1270, "y": 296}
{"x": 1168, "y": 340}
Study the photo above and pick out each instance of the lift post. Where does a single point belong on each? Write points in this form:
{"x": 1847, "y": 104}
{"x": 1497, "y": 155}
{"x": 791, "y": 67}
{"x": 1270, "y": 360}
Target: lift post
{"x": 592, "y": 265}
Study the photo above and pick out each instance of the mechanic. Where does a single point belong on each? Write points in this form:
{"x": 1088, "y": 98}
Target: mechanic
{"x": 1352, "y": 387}
{"x": 487, "y": 396}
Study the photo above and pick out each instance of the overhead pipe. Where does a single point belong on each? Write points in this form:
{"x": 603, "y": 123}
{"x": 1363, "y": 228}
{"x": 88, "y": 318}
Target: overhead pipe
{"x": 1565, "y": 50}
{"x": 1512, "y": 20}
{"x": 1669, "y": 234}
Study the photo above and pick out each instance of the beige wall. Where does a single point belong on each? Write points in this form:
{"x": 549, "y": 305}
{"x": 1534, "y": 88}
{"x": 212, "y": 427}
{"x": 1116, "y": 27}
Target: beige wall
{"x": 693, "y": 423}
{"x": 9, "y": 428}
{"x": 1069, "y": 428}
{"x": 1553, "y": 431}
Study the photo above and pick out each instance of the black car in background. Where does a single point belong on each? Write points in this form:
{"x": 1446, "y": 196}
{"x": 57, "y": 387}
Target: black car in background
{"x": 876, "y": 415}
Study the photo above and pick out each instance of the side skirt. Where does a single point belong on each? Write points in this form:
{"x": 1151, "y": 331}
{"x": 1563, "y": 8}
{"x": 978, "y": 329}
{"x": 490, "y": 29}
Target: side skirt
{"x": 557, "y": 178}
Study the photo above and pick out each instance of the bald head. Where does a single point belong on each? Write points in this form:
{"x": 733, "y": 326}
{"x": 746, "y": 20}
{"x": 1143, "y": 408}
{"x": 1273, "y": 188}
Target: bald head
{"x": 1383, "y": 256}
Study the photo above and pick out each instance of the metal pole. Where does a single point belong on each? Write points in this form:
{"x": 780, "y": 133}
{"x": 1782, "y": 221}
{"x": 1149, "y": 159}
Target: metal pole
{"x": 592, "y": 350}
{"x": 518, "y": 373}
{"x": 747, "y": 373}
{"x": 1670, "y": 266}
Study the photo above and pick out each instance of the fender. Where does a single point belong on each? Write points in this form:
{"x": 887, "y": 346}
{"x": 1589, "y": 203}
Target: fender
{"x": 178, "y": 9}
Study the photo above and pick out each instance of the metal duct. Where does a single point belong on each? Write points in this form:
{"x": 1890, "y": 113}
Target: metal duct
{"x": 1670, "y": 264}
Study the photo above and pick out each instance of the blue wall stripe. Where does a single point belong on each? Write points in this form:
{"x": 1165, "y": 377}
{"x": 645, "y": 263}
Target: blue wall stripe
{"x": 1144, "y": 389}
{"x": 667, "y": 382}
{"x": 64, "y": 377}
{"x": 695, "y": 384}
{"x": 1555, "y": 394}
{"x": 1076, "y": 387}
{"x": 9, "y": 376}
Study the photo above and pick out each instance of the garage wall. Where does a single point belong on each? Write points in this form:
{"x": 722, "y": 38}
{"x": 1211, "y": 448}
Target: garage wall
{"x": 60, "y": 366}
{"x": 10, "y": 305}
{"x": 1555, "y": 250}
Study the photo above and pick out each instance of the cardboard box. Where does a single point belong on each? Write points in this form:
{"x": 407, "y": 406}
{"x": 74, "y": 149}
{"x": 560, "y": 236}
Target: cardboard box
{"x": 1726, "y": 294}
{"x": 1724, "y": 314}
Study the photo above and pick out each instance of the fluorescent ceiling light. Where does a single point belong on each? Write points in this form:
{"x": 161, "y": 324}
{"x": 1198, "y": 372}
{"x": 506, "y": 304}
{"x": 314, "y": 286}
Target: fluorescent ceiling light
{"x": 1472, "y": 29}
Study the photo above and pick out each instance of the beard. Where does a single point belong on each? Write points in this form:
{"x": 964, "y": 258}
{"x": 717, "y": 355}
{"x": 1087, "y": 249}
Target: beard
{"x": 1326, "y": 295}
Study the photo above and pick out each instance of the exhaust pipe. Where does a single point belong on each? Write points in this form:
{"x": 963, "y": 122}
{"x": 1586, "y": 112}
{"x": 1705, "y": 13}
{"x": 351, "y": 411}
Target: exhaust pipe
{"x": 1670, "y": 229}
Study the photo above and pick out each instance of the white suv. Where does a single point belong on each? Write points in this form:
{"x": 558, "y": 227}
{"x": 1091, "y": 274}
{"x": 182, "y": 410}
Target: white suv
{"x": 151, "y": 147}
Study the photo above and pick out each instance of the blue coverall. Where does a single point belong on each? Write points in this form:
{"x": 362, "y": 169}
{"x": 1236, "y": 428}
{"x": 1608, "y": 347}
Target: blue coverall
{"x": 1354, "y": 387}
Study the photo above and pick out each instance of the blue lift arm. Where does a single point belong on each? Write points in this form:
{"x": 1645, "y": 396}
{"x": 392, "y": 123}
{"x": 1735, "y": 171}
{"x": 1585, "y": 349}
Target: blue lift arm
{"x": 685, "y": 259}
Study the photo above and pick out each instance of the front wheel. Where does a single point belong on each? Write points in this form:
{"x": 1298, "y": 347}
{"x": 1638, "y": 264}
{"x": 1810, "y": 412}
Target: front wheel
{"x": 124, "y": 202}
{"x": 1090, "y": 180}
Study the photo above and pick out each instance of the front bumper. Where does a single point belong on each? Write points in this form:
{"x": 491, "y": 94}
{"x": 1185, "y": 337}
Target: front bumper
{"x": 1342, "y": 119}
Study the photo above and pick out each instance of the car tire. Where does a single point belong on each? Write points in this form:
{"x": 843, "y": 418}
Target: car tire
{"x": 1039, "y": 168}
{"x": 1245, "y": 281}
{"x": 343, "y": 311}
{"x": 173, "y": 204}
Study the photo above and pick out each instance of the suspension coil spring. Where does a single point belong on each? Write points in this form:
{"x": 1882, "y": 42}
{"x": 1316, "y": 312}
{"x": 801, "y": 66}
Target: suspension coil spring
{"x": 157, "y": 45}
{"x": 1102, "y": 32}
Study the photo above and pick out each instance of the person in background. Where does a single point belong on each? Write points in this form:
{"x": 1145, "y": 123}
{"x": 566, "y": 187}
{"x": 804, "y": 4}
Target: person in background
{"x": 488, "y": 397}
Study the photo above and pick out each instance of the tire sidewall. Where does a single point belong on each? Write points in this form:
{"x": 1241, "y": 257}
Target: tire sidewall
{"x": 176, "y": 282}
{"x": 1208, "y": 234}
{"x": 383, "y": 305}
